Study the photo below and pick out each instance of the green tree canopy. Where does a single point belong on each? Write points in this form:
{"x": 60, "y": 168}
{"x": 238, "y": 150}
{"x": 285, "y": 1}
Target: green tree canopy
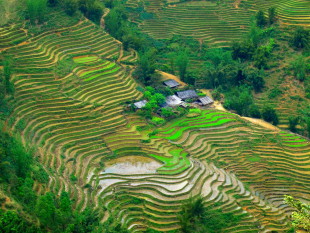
{"x": 269, "y": 114}
{"x": 260, "y": 19}
{"x": 301, "y": 214}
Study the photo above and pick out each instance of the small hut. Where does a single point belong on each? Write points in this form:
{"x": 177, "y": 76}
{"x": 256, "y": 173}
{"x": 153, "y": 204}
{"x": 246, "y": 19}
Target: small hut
{"x": 173, "y": 101}
{"x": 205, "y": 100}
{"x": 189, "y": 94}
{"x": 171, "y": 83}
{"x": 140, "y": 104}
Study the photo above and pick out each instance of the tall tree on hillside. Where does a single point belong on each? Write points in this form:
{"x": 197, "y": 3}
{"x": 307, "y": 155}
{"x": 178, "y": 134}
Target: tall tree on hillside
{"x": 36, "y": 10}
{"x": 52, "y": 3}
{"x": 46, "y": 210}
{"x": 293, "y": 122}
{"x": 301, "y": 38}
{"x": 243, "y": 50}
{"x": 71, "y": 6}
{"x": 260, "y": 19}
{"x": 182, "y": 62}
{"x": 299, "y": 67}
{"x": 7, "y": 72}
{"x": 272, "y": 15}
{"x": 146, "y": 66}
{"x": 269, "y": 114}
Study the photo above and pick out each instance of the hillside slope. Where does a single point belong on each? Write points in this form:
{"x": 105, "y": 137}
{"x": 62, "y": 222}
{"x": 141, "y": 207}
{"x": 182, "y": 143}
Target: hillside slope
{"x": 216, "y": 23}
{"x": 70, "y": 93}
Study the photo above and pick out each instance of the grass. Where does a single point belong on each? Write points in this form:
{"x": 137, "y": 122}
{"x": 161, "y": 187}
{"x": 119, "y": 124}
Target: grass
{"x": 254, "y": 159}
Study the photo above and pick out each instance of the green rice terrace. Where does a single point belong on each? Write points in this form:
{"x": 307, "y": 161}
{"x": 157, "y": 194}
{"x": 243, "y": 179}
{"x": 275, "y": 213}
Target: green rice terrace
{"x": 74, "y": 86}
{"x": 217, "y": 23}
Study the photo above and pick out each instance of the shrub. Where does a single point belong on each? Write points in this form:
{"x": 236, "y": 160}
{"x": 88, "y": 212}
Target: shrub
{"x": 260, "y": 19}
{"x": 275, "y": 92}
{"x": 270, "y": 115}
{"x": 36, "y": 10}
{"x": 293, "y": 122}
{"x": 71, "y": 6}
{"x": 301, "y": 38}
{"x": 158, "y": 120}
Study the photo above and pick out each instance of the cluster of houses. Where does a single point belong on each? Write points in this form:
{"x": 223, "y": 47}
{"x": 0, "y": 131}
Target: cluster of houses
{"x": 179, "y": 98}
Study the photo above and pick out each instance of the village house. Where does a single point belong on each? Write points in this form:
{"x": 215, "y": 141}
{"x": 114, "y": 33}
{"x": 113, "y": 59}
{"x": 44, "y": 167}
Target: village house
{"x": 171, "y": 83}
{"x": 188, "y": 94}
{"x": 140, "y": 104}
{"x": 205, "y": 101}
{"x": 173, "y": 101}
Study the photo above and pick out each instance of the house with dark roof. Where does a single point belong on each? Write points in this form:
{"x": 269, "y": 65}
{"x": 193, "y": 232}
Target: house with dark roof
{"x": 140, "y": 104}
{"x": 171, "y": 83}
{"x": 205, "y": 100}
{"x": 189, "y": 94}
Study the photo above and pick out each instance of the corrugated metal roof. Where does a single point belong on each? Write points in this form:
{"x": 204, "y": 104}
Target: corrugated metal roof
{"x": 189, "y": 94}
{"x": 140, "y": 104}
{"x": 206, "y": 100}
{"x": 173, "y": 100}
{"x": 171, "y": 83}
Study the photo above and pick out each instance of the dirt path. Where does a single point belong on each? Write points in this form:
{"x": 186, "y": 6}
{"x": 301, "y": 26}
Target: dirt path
{"x": 262, "y": 123}
{"x": 166, "y": 76}
{"x": 236, "y": 3}
{"x": 106, "y": 12}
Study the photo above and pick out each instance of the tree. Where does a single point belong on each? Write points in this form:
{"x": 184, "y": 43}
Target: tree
{"x": 25, "y": 192}
{"x": 243, "y": 50}
{"x": 254, "y": 77}
{"x": 301, "y": 38}
{"x": 36, "y": 10}
{"x": 46, "y": 210}
{"x": 146, "y": 66}
{"x": 299, "y": 67}
{"x": 52, "y": 3}
{"x": 71, "y": 6}
{"x": 7, "y": 71}
{"x": 254, "y": 111}
{"x": 260, "y": 19}
{"x": 270, "y": 115}
{"x": 261, "y": 57}
{"x": 239, "y": 99}
{"x": 272, "y": 15}
{"x": 94, "y": 11}
{"x": 182, "y": 64}
{"x": 11, "y": 222}
{"x": 195, "y": 217}
{"x": 293, "y": 122}
{"x": 301, "y": 215}
{"x": 167, "y": 113}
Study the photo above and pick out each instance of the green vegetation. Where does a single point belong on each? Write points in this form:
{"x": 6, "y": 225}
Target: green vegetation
{"x": 270, "y": 115}
{"x": 195, "y": 217}
{"x": 301, "y": 214}
{"x": 75, "y": 157}
{"x": 36, "y": 10}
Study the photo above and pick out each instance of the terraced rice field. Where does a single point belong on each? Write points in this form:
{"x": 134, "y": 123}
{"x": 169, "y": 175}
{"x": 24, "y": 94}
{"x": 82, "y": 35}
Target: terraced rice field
{"x": 11, "y": 35}
{"x": 290, "y": 12}
{"x": 70, "y": 91}
{"x": 240, "y": 167}
{"x": 217, "y": 24}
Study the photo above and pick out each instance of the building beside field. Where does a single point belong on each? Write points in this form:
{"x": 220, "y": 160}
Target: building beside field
{"x": 205, "y": 100}
{"x": 173, "y": 101}
{"x": 171, "y": 83}
{"x": 189, "y": 94}
{"x": 140, "y": 104}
